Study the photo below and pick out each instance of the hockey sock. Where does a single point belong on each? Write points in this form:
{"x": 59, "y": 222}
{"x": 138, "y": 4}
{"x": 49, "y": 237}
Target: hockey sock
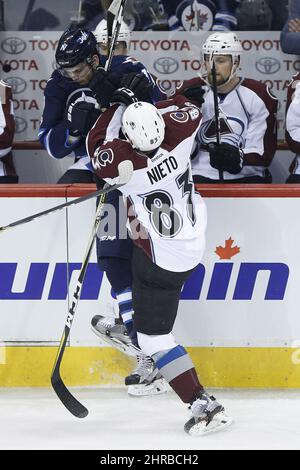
{"x": 178, "y": 369}
{"x": 126, "y": 312}
{"x": 118, "y": 272}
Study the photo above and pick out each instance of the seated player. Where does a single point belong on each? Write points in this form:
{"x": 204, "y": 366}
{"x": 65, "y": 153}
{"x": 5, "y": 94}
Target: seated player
{"x": 7, "y": 130}
{"x": 292, "y": 133}
{"x": 246, "y": 122}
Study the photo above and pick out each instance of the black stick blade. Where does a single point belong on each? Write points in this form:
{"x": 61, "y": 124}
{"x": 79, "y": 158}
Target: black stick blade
{"x": 66, "y": 397}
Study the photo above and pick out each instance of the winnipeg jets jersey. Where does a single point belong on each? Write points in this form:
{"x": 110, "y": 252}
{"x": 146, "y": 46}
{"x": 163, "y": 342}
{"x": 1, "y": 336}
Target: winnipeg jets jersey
{"x": 247, "y": 120}
{"x": 201, "y": 15}
{"x": 167, "y": 217}
{"x": 293, "y": 120}
{"x": 60, "y": 93}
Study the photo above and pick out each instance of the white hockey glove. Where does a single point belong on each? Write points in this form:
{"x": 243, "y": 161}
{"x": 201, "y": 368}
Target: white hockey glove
{"x": 125, "y": 169}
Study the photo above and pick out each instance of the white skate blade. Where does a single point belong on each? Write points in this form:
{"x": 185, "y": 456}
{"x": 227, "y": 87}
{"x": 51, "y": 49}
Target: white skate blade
{"x": 115, "y": 343}
{"x": 157, "y": 387}
{"x": 219, "y": 422}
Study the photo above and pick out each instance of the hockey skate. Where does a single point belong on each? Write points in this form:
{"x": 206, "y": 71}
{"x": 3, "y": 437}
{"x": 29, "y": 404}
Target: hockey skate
{"x": 112, "y": 331}
{"x": 145, "y": 379}
{"x": 208, "y": 415}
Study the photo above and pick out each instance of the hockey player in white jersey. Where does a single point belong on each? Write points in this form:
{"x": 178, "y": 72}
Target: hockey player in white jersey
{"x": 7, "y": 131}
{"x": 151, "y": 158}
{"x": 292, "y": 134}
{"x": 245, "y": 122}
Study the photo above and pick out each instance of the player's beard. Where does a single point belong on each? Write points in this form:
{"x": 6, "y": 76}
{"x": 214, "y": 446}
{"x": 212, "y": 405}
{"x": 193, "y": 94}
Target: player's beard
{"x": 219, "y": 80}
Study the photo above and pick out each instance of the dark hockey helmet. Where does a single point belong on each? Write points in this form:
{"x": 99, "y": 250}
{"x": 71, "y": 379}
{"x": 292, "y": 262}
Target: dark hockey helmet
{"x": 75, "y": 46}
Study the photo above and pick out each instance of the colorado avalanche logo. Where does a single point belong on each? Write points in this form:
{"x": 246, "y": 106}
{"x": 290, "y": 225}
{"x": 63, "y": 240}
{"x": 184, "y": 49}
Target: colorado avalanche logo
{"x": 231, "y": 130}
{"x": 180, "y": 116}
{"x": 195, "y": 16}
{"x": 102, "y": 158}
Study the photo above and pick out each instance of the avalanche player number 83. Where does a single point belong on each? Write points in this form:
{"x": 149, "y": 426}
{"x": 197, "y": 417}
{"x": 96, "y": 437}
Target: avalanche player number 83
{"x": 165, "y": 218}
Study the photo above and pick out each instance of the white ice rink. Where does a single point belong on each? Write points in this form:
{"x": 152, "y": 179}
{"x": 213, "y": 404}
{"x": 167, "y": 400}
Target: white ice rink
{"x": 35, "y": 419}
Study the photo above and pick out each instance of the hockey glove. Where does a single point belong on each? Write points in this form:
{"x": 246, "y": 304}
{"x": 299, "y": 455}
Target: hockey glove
{"x": 123, "y": 96}
{"x": 80, "y": 118}
{"x": 139, "y": 84}
{"x": 195, "y": 94}
{"x": 103, "y": 84}
{"x": 125, "y": 169}
{"x": 226, "y": 157}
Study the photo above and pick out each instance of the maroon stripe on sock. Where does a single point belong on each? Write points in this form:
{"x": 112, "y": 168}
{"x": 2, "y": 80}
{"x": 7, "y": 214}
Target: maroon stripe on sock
{"x": 187, "y": 385}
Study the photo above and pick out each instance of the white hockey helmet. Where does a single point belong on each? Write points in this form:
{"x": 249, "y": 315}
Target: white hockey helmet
{"x": 101, "y": 32}
{"x": 143, "y": 126}
{"x": 222, "y": 43}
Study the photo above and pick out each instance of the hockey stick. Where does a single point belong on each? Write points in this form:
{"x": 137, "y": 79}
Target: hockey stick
{"x": 28, "y": 12}
{"x": 65, "y": 396}
{"x": 115, "y": 12}
{"x": 2, "y": 22}
{"x": 216, "y": 108}
{"x": 59, "y": 207}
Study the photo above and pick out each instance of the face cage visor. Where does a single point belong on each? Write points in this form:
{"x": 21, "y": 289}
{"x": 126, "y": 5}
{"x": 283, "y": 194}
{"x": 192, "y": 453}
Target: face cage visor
{"x": 67, "y": 71}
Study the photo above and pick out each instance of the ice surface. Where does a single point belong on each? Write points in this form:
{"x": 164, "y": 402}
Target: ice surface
{"x": 36, "y": 419}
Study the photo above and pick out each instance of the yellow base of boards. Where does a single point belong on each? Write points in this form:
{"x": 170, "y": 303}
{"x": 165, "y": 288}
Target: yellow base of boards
{"x": 22, "y": 366}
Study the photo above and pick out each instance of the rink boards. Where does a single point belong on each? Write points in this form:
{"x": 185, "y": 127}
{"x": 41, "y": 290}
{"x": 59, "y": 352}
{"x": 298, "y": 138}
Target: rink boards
{"x": 238, "y": 314}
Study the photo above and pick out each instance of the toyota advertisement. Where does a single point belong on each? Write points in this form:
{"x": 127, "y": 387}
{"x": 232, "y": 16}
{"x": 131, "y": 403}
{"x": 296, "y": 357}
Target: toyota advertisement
{"x": 170, "y": 56}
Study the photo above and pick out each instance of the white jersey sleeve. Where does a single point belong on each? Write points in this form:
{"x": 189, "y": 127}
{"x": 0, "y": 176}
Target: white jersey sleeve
{"x": 292, "y": 133}
{"x": 293, "y": 114}
{"x": 7, "y": 122}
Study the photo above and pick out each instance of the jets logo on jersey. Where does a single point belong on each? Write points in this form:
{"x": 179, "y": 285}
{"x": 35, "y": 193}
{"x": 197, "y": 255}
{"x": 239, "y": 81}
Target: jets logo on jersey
{"x": 195, "y": 16}
{"x": 102, "y": 158}
{"x": 82, "y": 94}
